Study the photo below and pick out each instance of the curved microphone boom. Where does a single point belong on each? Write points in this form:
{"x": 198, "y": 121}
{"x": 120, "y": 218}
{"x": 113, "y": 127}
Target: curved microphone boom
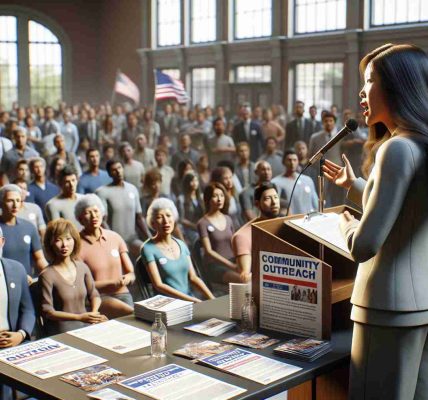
{"x": 350, "y": 126}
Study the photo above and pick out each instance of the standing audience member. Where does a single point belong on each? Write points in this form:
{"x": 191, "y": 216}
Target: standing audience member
{"x": 151, "y": 189}
{"x": 201, "y": 131}
{"x": 94, "y": 177}
{"x": 133, "y": 170}
{"x": 316, "y": 124}
{"x": 22, "y": 240}
{"x": 70, "y": 133}
{"x": 143, "y": 153}
{"x": 34, "y": 134}
{"x": 161, "y": 157}
{"x": 132, "y": 129}
{"x": 203, "y": 170}
{"x": 22, "y": 170}
{"x": 215, "y": 231}
{"x": 167, "y": 259}
{"x": 300, "y": 128}
{"x": 220, "y": 147}
{"x": 184, "y": 167}
{"x": 249, "y": 131}
{"x": 67, "y": 283}
{"x": 266, "y": 200}
{"x": 49, "y": 126}
{"x": 273, "y": 156}
{"x": 305, "y": 198}
{"x": 151, "y": 129}
{"x": 69, "y": 158}
{"x": 169, "y": 124}
{"x": 91, "y": 130}
{"x": 185, "y": 152}
{"x": 55, "y": 167}
{"x": 244, "y": 168}
{"x": 62, "y": 205}
{"x": 109, "y": 133}
{"x": 271, "y": 128}
{"x": 123, "y": 208}
{"x": 106, "y": 255}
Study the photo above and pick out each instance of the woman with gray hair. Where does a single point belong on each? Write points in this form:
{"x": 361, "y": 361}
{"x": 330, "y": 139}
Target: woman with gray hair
{"x": 106, "y": 254}
{"x": 167, "y": 258}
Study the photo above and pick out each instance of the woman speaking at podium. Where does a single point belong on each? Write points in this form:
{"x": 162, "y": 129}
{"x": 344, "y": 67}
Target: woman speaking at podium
{"x": 389, "y": 358}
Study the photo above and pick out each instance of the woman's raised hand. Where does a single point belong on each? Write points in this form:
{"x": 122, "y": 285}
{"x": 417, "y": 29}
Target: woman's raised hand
{"x": 341, "y": 176}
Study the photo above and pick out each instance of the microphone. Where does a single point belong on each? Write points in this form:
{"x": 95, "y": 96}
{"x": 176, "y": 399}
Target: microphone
{"x": 350, "y": 126}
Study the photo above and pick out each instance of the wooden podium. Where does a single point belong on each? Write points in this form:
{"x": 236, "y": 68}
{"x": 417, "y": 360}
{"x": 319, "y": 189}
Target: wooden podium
{"x": 279, "y": 236}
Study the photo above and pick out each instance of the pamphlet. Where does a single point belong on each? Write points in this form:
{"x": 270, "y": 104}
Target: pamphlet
{"x": 46, "y": 358}
{"x": 114, "y": 335}
{"x": 198, "y": 350}
{"x": 211, "y": 327}
{"x": 93, "y": 378}
{"x": 252, "y": 340}
{"x": 174, "y": 382}
{"x": 303, "y": 349}
{"x": 108, "y": 394}
{"x": 250, "y": 365}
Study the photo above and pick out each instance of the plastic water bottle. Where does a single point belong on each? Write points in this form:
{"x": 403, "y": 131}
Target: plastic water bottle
{"x": 159, "y": 337}
{"x": 249, "y": 314}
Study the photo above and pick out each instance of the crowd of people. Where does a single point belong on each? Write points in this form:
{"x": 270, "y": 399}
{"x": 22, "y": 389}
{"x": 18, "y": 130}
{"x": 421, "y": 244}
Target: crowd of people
{"x": 87, "y": 191}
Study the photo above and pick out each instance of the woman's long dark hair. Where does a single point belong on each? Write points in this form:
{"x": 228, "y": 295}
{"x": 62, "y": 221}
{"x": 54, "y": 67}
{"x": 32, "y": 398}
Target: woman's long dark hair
{"x": 403, "y": 72}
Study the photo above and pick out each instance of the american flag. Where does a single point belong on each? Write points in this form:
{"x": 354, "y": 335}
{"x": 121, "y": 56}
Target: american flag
{"x": 126, "y": 87}
{"x": 167, "y": 88}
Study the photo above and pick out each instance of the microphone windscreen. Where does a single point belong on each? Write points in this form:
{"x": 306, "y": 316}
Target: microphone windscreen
{"x": 351, "y": 124}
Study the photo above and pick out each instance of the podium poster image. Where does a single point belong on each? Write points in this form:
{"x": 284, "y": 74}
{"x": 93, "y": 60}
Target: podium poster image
{"x": 291, "y": 294}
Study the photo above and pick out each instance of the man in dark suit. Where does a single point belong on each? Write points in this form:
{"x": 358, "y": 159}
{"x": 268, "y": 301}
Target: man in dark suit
{"x": 17, "y": 315}
{"x": 249, "y": 131}
{"x": 300, "y": 128}
{"x": 316, "y": 124}
{"x": 49, "y": 126}
{"x": 91, "y": 130}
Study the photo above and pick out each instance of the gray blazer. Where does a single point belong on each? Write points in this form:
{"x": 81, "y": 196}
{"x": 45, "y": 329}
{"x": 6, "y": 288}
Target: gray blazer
{"x": 391, "y": 240}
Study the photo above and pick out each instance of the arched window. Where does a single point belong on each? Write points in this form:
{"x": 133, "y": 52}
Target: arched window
{"x": 31, "y": 59}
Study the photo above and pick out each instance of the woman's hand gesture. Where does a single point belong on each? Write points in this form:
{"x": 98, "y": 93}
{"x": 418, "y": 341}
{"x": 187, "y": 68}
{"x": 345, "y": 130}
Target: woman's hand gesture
{"x": 341, "y": 176}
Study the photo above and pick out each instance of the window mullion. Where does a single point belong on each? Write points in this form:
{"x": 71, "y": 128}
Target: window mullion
{"x": 23, "y": 62}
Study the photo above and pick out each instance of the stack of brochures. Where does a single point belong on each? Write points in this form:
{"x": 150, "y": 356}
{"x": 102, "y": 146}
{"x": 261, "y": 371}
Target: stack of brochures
{"x": 198, "y": 350}
{"x": 174, "y": 311}
{"x": 303, "y": 349}
{"x": 237, "y": 298}
{"x": 211, "y": 327}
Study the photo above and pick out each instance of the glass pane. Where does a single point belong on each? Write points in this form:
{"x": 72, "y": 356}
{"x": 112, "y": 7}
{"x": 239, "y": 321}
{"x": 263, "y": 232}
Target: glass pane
{"x": 7, "y": 29}
{"x": 253, "y": 18}
{"x": 390, "y": 12}
{"x": 203, "y": 21}
{"x": 203, "y": 86}
{"x": 253, "y": 73}
{"x": 319, "y": 84}
{"x": 8, "y": 62}
{"x": 45, "y": 65}
{"x": 169, "y": 22}
{"x": 319, "y": 15}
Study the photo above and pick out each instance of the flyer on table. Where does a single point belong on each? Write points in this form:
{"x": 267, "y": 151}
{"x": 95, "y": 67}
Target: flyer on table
{"x": 108, "y": 394}
{"x": 114, "y": 335}
{"x": 250, "y": 365}
{"x": 47, "y": 357}
{"x": 290, "y": 294}
{"x": 174, "y": 382}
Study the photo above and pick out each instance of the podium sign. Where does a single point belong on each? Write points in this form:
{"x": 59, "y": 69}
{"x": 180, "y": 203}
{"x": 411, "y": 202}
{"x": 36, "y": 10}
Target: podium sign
{"x": 290, "y": 287}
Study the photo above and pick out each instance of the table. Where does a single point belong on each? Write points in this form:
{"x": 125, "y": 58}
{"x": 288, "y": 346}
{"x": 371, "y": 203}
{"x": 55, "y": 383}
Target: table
{"x": 139, "y": 361}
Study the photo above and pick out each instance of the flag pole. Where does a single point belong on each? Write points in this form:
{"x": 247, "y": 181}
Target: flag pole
{"x": 113, "y": 95}
{"x": 154, "y": 94}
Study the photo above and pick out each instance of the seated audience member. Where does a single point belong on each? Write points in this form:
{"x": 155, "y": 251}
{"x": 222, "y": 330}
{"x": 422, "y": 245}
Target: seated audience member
{"x": 244, "y": 168}
{"x": 41, "y": 190}
{"x": 224, "y": 175}
{"x": 94, "y": 177}
{"x": 17, "y": 315}
{"x": 301, "y": 149}
{"x": 62, "y": 205}
{"x": 143, "y": 153}
{"x": 106, "y": 255}
{"x": 23, "y": 171}
{"x": 66, "y": 284}
{"x": 266, "y": 200}
{"x": 161, "y": 156}
{"x": 185, "y": 152}
{"x": 69, "y": 158}
{"x": 55, "y": 167}
{"x": 22, "y": 240}
{"x": 123, "y": 208}
{"x": 184, "y": 167}
{"x": 167, "y": 259}
{"x": 305, "y": 197}
{"x": 263, "y": 172}
{"x": 133, "y": 170}
{"x": 190, "y": 207}
{"x": 18, "y": 151}
{"x": 151, "y": 189}
{"x": 31, "y": 212}
{"x": 273, "y": 156}
{"x": 216, "y": 230}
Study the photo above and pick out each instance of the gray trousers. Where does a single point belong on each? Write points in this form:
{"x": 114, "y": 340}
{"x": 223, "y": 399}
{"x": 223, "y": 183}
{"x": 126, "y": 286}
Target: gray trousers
{"x": 389, "y": 363}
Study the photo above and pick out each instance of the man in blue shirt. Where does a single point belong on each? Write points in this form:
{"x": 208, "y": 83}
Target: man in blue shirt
{"x": 94, "y": 177}
{"x": 41, "y": 190}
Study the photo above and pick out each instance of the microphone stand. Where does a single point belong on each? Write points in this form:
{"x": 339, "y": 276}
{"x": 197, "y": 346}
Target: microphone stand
{"x": 321, "y": 190}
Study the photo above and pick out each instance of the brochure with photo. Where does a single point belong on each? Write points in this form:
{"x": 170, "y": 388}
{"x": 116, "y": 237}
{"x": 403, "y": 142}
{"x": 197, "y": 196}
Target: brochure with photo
{"x": 211, "y": 327}
{"x": 252, "y": 340}
{"x": 196, "y": 350}
{"x": 93, "y": 378}
{"x": 303, "y": 349}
